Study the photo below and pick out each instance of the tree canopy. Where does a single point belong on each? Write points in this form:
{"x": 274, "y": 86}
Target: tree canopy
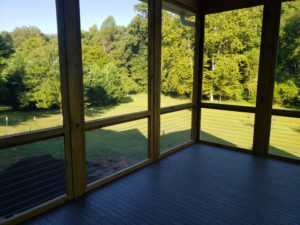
{"x": 115, "y": 59}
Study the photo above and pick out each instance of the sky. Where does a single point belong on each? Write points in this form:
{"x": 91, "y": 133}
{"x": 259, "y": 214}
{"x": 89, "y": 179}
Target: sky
{"x": 42, "y": 13}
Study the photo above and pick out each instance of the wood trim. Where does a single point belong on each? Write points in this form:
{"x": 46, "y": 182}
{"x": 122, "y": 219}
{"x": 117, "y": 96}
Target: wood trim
{"x": 117, "y": 175}
{"x": 150, "y": 80}
{"x": 217, "y": 6}
{"x": 237, "y": 149}
{"x": 285, "y": 159}
{"x": 155, "y": 15}
{"x": 190, "y": 5}
{"x": 226, "y": 147}
{"x": 175, "y": 108}
{"x": 75, "y": 88}
{"x": 235, "y": 108}
{"x": 35, "y": 211}
{"x": 32, "y": 136}
{"x": 96, "y": 124}
{"x": 266, "y": 76}
{"x": 286, "y": 113}
{"x": 175, "y": 149}
{"x": 198, "y": 76}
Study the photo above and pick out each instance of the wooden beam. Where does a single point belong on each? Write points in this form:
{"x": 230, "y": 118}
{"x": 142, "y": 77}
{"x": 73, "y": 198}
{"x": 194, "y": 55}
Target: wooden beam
{"x": 117, "y": 175}
{"x": 216, "y": 6}
{"x": 175, "y": 149}
{"x": 155, "y": 15}
{"x": 28, "y": 137}
{"x": 96, "y": 124}
{"x": 176, "y": 108}
{"x": 236, "y": 108}
{"x": 190, "y": 5}
{"x": 266, "y": 76}
{"x": 36, "y": 210}
{"x": 72, "y": 37}
{"x": 198, "y": 75}
{"x": 65, "y": 97}
{"x": 286, "y": 113}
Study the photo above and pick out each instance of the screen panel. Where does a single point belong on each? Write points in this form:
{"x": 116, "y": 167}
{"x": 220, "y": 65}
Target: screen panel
{"x": 30, "y": 95}
{"x": 115, "y": 57}
{"x": 231, "y": 56}
{"x": 227, "y": 128}
{"x": 176, "y": 129}
{"x": 30, "y": 175}
{"x": 114, "y": 148}
{"x": 177, "y": 55}
{"x": 287, "y": 78}
{"x": 285, "y": 137}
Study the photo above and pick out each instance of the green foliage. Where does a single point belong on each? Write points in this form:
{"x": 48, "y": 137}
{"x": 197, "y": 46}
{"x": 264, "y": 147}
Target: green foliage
{"x": 231, "y": 54}
{"x": 104, "y": 86}
{"x": 286, "y": 93}
{"x": 115, "y": 59}
{"x": 177, "y": 55}
{"x": 12, "y": 80}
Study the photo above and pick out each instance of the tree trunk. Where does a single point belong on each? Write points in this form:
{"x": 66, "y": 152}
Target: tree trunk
{"x": 211, "y": 96}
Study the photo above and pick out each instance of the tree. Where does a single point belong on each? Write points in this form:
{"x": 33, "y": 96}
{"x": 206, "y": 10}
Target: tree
{"x": 12, "y": 80}
{"x": 134, "y": 45}
{"x": 230, "y": 40}
{"x": 42, "y": 77}
{"x": 177, "y": 55}
{"x": 104, "y": 86}
{"x": 288, "y": 65}
{"x": 285, "y": 93}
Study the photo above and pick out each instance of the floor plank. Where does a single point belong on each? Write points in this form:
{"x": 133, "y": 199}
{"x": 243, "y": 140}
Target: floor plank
{"x": 198, "y": 185}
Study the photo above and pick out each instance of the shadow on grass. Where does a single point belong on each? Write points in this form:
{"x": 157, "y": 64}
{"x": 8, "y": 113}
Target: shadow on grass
{"x": 93, "y": 111}
{"x": 17, "y": 117}
{"x": 276, "y": 151}
{"x": 211, "y": 138}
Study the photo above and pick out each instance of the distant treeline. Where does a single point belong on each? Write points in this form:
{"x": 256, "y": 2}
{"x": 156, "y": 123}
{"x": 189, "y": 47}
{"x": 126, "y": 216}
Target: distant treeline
{"x": 115, "y": 60}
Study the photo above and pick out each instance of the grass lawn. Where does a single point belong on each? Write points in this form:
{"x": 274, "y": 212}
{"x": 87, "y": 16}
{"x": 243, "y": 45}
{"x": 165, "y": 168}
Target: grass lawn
{"x": 116, "y": 147}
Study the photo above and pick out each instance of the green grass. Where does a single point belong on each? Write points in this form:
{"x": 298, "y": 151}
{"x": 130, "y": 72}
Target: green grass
{"x": 116, "y": 147}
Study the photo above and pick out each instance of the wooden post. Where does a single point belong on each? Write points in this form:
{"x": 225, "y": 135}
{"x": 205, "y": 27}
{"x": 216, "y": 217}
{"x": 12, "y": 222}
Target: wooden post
{"x": 154, "y": 62}
{"x": 72, "y": 89}
{"x": 198, "y": 75}
{"x": 266, "y": 76}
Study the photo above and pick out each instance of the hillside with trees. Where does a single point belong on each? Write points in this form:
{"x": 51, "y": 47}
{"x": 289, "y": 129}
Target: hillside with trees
{"x": 115, "y": 60}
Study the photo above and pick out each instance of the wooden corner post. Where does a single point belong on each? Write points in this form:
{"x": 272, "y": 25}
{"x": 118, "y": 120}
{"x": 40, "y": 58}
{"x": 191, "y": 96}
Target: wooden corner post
{"x": 72, "y": 89}
{"x": 266, "y": 76}
{"x": 198, "y": 75}
{"x": 155, "y": 15}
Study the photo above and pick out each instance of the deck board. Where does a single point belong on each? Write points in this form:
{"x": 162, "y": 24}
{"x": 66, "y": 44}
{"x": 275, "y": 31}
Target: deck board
{"x": 198, "y": 185}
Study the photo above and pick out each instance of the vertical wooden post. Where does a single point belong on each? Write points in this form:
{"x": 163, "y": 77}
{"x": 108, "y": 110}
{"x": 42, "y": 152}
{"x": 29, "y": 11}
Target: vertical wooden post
{"x": 65, "y": 97}
{"x": 198, "y": 75}
{"x": 154, "y": 62}
{"x": 266, "y": 76}
{"x": 71, "y": 65}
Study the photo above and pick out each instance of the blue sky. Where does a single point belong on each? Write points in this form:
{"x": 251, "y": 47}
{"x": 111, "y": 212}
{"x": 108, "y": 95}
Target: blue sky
{"x": 41, "y": 13}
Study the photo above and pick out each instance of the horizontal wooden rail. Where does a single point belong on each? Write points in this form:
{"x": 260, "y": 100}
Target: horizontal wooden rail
{"x": 247, "y": 151}
{"x": 101, "y": 182}
{"x": 46, "y": 206}
{"x": 176, "y": 148}
{"x": 286, "y": 113}
{"x": 100, "y": 123}
{"x": 176, "y": 108}
{"x": 31, "y": 136}
{"x": 235, "y": 108}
